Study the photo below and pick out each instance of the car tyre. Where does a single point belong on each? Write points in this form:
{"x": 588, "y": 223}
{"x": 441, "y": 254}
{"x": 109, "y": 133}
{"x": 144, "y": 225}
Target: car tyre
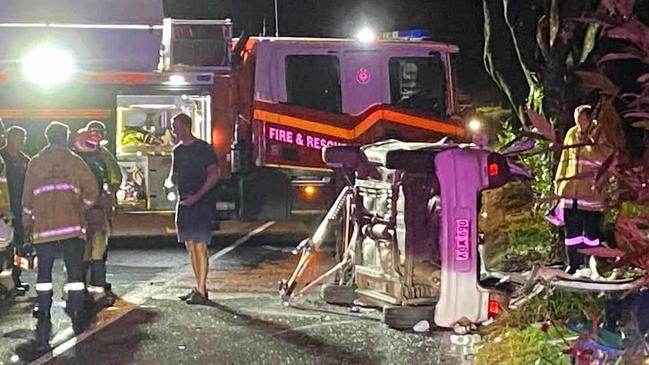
{"x": 406, "y": 317}
{"x": 339, "y": 294}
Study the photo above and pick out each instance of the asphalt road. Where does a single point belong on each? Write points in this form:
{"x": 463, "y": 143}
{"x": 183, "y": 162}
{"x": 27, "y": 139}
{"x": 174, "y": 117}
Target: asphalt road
{"x": 245, "y": 322}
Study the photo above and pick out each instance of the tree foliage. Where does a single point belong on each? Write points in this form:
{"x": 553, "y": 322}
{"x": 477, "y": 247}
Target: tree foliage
{"x": 574, "y": 51}
{"x": 558, "y": 53}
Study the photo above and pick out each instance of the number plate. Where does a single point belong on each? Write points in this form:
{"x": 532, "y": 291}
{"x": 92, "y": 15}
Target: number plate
{"x": 462, "y": 240}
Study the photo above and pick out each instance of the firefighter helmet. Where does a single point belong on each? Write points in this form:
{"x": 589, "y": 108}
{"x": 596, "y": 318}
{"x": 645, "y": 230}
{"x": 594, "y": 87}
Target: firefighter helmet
{"x": 87, "y": 141}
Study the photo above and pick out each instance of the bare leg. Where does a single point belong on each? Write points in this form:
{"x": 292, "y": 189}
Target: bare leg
{"x": 191, "y": 250}
{"x": 202, "y": 261}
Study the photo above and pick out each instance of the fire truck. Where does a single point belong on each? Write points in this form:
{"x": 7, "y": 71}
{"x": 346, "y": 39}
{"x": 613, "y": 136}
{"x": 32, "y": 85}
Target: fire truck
{"x": 266, "y": 105}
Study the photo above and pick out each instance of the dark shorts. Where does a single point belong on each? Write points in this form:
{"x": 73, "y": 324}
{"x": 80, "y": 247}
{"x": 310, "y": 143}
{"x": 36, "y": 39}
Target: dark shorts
{"x": 194, "y": 223}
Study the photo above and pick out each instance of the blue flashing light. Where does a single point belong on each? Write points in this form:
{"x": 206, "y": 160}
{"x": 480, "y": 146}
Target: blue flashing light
{"x": 203, "y": 78}
{"x": 418, "y": 33}
{"x": 413, "y": 34}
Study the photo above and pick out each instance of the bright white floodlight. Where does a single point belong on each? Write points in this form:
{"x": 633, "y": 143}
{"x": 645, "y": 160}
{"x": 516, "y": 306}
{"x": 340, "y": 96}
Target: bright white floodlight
{"x": 48, "y": 66}
{"x": 366, "y": 35}
{"x": 475, "y": 125}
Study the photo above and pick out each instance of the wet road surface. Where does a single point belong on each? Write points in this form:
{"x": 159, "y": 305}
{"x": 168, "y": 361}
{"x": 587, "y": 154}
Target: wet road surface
{"x": 245, "y": 322}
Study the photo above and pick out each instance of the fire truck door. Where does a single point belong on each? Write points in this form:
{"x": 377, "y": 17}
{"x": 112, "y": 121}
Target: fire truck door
{"x": 363, "y": 81}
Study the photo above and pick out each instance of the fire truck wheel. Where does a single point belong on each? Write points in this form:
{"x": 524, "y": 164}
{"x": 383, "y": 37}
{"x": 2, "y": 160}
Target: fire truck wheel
{"x": 406, "y": 317}
{"x": 338, "y": 294}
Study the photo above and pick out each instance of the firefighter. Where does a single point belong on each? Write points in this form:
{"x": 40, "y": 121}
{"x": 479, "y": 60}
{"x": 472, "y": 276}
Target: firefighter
{"x": 5, "y": 211}
{"x": 15, "y": 166}
{"x": 113, "y": 171}
{"x": 87, "y": 145}
{"x": 59, "y": 186}
{"x": 584, "y": 151}
{"x": 6, "y": 258}
{"x": 113, "y": 176}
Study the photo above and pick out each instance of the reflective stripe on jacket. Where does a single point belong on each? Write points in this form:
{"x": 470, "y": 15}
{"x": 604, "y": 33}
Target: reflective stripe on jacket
{"x": 582, "y": 156}
{"x": 58, "y": 186}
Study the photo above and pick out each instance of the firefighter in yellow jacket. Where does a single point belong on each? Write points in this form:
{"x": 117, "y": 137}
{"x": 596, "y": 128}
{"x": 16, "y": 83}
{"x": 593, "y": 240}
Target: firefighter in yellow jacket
{"x": 584, "y": 151}
{"x": 59, "y": 186}
{"x": 6, "y": 257}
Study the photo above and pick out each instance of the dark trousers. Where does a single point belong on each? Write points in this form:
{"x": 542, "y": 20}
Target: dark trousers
{"x": 582, "y": 230}
{"x": 73, "y": 251}
{"x": 18, "y": 242}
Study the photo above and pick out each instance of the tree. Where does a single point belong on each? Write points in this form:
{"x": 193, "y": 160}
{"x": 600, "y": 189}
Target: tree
{"x": 567, "y": 52}
{"x": 549, "y": 46}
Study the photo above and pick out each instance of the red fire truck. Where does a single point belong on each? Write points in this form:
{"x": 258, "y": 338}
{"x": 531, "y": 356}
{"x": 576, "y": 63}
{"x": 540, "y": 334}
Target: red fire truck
{"x": 288, "y": 98}
{"x": 267, "y": 105}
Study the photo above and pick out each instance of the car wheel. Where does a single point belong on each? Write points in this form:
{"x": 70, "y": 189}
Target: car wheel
{"x": 406, "y": 317}
{"x": 338, "y": 294}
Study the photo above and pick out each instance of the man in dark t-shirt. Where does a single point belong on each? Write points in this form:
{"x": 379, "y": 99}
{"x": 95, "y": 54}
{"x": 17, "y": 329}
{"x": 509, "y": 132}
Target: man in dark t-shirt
{"x": 195, "y": 172}
{"x": 15, "y": 167}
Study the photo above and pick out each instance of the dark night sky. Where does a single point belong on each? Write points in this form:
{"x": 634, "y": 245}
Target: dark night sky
{"x": 455, "y": 21}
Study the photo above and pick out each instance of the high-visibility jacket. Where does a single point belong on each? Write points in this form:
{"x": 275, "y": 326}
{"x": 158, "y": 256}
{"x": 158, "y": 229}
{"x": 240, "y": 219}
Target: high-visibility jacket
{"x": 58, "y": 186}
{"x": 113, "y": 171}
{"x": 582, "y": 156}
{"x": 4, "y": 190}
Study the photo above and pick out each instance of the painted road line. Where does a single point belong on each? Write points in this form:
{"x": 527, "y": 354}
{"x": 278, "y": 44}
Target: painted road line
{"x": 169, "y": 277}
{"x": 240, "y": 241}
{"x": 313, "y": 326}
{"x": 69, "y": 344}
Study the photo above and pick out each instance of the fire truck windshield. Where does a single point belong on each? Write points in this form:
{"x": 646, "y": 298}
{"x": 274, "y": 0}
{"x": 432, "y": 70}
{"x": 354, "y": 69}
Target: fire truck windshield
{"x": 419, "y": 83}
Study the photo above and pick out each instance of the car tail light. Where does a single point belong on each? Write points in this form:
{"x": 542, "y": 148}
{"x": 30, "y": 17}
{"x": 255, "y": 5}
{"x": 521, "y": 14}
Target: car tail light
{"x": 497, "y": 170}
{"x": 497, "y": 301}
{"x": 494, "y": 309}
{"x": 493, "y": 169}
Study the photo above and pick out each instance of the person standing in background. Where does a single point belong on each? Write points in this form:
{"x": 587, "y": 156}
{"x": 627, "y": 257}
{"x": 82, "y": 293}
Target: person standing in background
{"x": 195, "y": 172}
{"x": 584, "y": 151}
{"x": 59, "y": 187}
{"x": 113, "y": 177}
{"x": 113, "y": 171}
{"x": 86, "y": 145}
{"x": 6, "y": 257}
{"x": 15, "y": 167}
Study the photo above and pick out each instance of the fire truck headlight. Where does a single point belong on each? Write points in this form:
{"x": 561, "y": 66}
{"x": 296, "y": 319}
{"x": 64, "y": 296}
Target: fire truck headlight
{"x": 171, "y": 196}
{"x": 48, "y": 66}
{"x": 475, "y": 125}
{"x": 366, "y": 35}
{"x": 177, "y": 80}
